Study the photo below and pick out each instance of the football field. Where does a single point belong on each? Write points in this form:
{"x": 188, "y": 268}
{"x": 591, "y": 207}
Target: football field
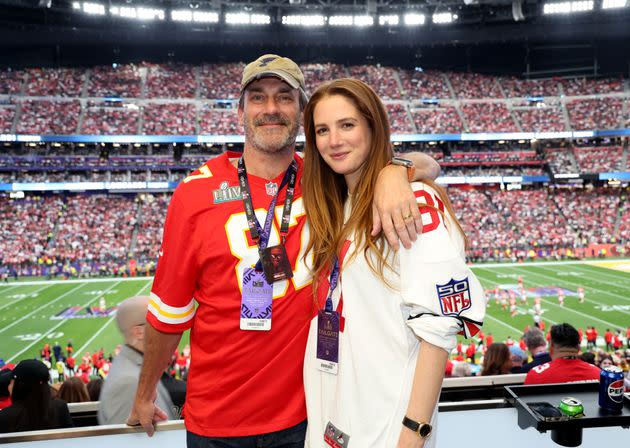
{"x": 33, "y": 313}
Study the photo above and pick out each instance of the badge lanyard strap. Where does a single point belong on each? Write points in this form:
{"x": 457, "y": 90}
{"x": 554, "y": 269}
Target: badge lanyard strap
{"x": 259, "y": 234}
{"x": 334, "y": 279}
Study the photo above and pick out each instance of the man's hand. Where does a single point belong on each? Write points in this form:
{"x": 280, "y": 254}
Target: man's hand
{"x": 395, "y": 209}
{"x": 409, "y": 439}
{"x": 146, "y": 414}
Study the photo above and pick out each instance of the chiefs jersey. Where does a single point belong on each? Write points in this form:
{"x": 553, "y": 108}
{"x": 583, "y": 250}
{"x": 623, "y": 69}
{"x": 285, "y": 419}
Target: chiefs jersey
{"x": 240, "y": 382}
{"x": 562, "y": 371}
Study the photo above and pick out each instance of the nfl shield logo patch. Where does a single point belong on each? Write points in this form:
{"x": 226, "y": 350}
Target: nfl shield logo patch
{"x": 454, "y": 297}
{"x": 271, "y": 188}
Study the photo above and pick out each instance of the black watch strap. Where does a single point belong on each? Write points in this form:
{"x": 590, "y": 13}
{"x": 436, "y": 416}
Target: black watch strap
{"x": 420, "y": 428}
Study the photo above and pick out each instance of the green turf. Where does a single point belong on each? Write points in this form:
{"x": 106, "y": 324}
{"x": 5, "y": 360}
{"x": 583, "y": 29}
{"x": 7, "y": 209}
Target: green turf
{"x": 26, "y": 310}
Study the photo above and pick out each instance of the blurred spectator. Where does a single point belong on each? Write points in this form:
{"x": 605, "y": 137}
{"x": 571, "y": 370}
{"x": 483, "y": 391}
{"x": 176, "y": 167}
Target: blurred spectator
{"x": 497, "y": 360}
{"x": 565, "y": 365}
{"x": 588, "y": 357}
{"x": 33, "y": 407}
{"x": 537, "y": 347}
{"x": 518, "y": 357}
{"x": 94, "y": 388}
{"x": 119, "y": 388}
{"x": 560, "y": 160}
{"x": 461, "y": 369}
{"x": 73, "y": 390}
{"x": 604, "y": 360}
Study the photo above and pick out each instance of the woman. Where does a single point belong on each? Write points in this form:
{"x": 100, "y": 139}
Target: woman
{"x": 32, "y": 406}
{"x": 73, "y": 390}
{"x": 387, "y": 321}
{"x": 497, "y": 360}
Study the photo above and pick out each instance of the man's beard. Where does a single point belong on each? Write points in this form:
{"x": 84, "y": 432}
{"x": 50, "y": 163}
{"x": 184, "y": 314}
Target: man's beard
{"x": 271, "y": 141}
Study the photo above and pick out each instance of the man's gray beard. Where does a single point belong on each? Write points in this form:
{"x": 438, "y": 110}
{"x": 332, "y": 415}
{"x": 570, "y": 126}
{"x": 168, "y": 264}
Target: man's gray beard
{"x": 258, "y": 142}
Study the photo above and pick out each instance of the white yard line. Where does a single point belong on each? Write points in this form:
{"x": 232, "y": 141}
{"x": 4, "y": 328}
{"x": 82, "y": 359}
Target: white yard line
{"x": 78, "y": 280}
{"x": 28, "y": 294}
{"x": 109, "y": 321}
{"x": 9, "y": 287}
{"x": 37, "y": 309}
{"x": 63, "y": 321}
{"x": 550, "y": 302}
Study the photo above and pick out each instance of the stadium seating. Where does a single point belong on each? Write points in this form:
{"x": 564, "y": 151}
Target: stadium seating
{"x": 599, "y": 159}
{"x": 171, "y": 81}
{"x": 169, "y": 118}
{"x": 425, "y": 84}
{"x": 488, "y": 117}
{"x": 384, "y": 80}
{"x": 115, "y": 81}
{"x": 560, "y": 160}
{"x": 442, "y": 120}
{"x": 583, "y": 86}
{"x": 315, "y": 74}
{"x": 399, "y": 119}
{"x": 220, "y": 81}
{"x": 599, "y": 113}
{"x": 548, "y": 118}
{"x": 7, "y": 114}
{"x": 49, "y": 117}
{"x": 219, "y": 121}
{"x": 104, "y": 119}
{"x": 54, "y": 82}
{"x": 11, "y": 82}
{"x": 152, "y": 212}
{"x": 520, "y": 88}
{"x": 474, "y": 85}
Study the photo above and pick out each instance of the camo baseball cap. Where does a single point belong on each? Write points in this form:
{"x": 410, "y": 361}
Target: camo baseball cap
{"x": 274, "y": 65}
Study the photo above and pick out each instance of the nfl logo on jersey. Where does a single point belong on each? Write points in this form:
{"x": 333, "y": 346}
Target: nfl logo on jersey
{"x": 454, "y": 297}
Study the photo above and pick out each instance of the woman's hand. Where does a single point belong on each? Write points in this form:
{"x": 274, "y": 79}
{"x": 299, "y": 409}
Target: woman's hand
{"x": 409, "y": 439}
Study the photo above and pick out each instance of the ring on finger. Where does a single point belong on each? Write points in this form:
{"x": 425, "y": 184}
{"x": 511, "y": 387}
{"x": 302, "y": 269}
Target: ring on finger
{"x": 407, "y": 217}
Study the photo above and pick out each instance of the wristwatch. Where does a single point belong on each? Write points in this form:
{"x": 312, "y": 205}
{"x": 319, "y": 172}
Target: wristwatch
{"x": 421, "y": 428}
{"x": 411, "y": 169}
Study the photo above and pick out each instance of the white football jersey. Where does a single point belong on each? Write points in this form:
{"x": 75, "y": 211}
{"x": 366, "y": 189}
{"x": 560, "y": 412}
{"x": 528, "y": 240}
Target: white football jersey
{"x": 435, "y": 296}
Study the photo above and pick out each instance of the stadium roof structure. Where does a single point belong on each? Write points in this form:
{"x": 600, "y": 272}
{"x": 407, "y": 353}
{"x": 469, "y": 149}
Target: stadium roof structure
{"x": 512, "y": 36}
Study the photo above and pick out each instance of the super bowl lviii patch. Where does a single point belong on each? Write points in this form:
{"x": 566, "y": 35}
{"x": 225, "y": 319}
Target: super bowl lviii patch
{"x": 454, "y": 297}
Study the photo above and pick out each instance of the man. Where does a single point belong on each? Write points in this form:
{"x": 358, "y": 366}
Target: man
{"x": 565, "y": 365}
{"x": 120, "y": 385}
{"x": 537, "y": 346}
{"x": 518, "y": 356}
{"x": 249, "y": 335}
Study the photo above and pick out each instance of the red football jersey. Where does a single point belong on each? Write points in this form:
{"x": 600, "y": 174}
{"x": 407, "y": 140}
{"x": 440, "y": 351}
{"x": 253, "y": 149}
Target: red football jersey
{"x": 562, "y": 371}
{"x": 240, "y": 382}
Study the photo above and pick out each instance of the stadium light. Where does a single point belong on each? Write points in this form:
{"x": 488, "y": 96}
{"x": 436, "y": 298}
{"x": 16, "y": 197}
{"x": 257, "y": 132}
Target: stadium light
{"x": 392, "y": 20}
{"x": 186, "y": 15}
{"x": 414, "y": 19}
{"x": 128, "y": 12}
{"x": 614, "y": 4}
{"x": 568, "y": 7}
{"x": 358, "y": 21}
{"x": 94, "y": 8}
{"x": 444, "y": 17}
{"x": 300, "y": 20}
{"x": 243, "y": 18}
{"x": 76, "y": 5}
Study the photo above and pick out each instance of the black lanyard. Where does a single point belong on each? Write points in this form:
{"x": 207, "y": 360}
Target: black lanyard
{"x": 260, "y": 234}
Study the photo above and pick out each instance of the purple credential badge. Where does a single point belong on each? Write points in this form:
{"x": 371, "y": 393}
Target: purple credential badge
{"x": 256, "y": 303}
{"x": 328, "y": 340}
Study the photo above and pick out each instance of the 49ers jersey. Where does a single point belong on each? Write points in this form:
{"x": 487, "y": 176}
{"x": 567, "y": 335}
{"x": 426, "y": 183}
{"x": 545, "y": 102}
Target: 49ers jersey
{"x": 240, "y": 382}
